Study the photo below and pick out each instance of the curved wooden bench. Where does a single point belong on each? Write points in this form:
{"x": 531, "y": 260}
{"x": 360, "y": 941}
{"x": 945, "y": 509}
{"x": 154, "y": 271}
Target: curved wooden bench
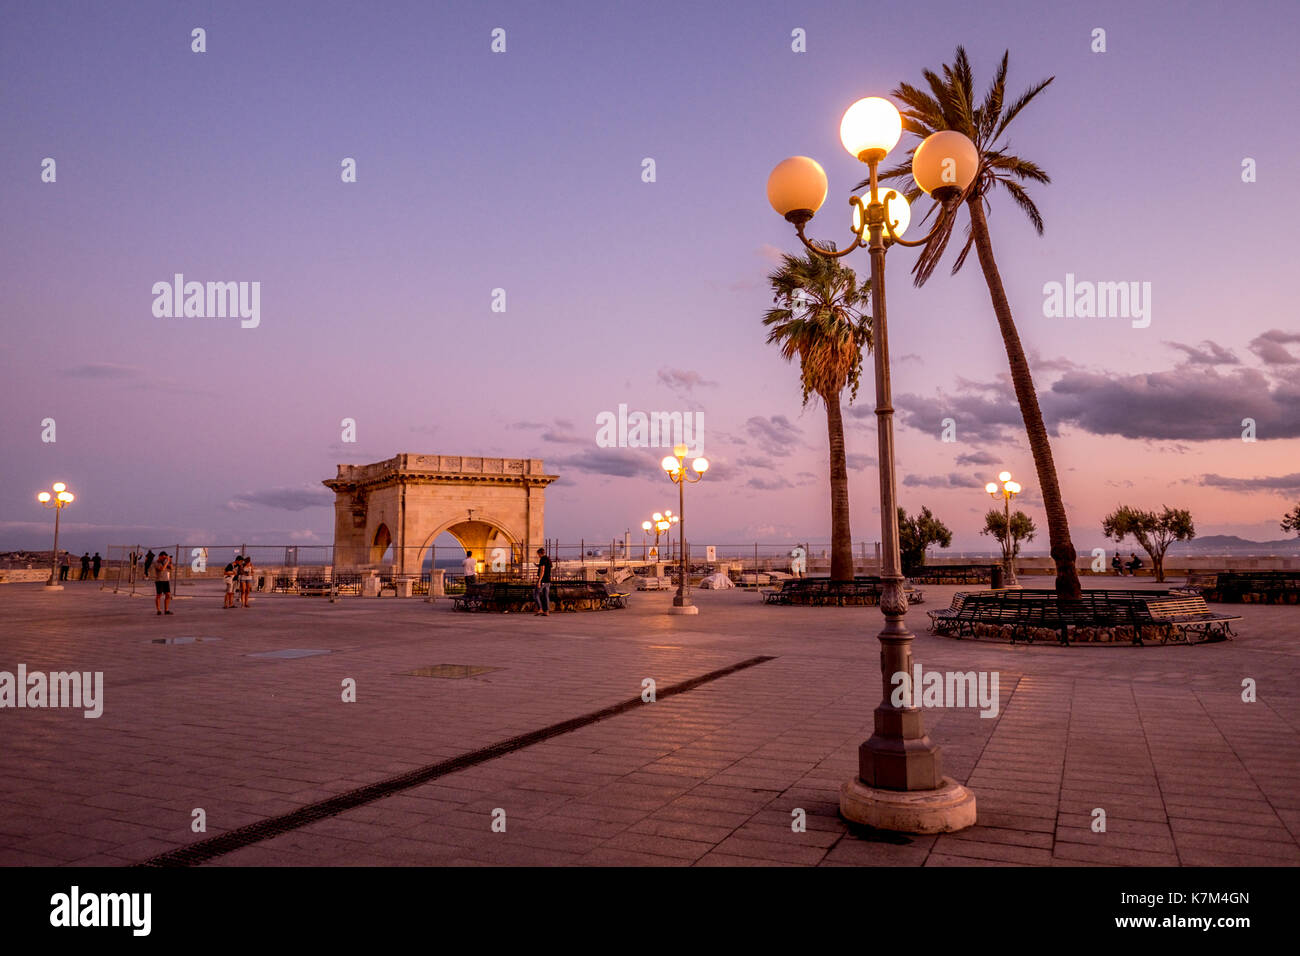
{"x": 1026, "y": 614}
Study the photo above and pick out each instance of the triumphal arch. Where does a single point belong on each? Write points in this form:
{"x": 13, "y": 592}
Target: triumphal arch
{"x": 492, "y": 506}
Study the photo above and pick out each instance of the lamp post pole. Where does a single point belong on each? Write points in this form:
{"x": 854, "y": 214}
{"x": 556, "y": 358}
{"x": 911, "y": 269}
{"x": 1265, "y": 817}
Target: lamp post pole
{"x": 1006, "y": 544}
{"x": 53, "y": 582}
{"x": 900, "y": 785}
{"x": 683, "y": 596}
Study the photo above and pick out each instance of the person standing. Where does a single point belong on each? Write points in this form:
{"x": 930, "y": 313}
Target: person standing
{"x": 148, "y": 561}
{"x": 542, "y": 593}
{"x": 85, "y": 566}
{"x": 229, "y": 575}
{"x": 65, "y": 565}
{"x": 162, "y": 584}
{"x": 97, "y": 561}
{"x": 246, "y": 580}
{"x": 470, "y": 567}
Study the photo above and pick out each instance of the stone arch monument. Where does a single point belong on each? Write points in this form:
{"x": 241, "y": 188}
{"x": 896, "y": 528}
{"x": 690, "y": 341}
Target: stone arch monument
{"x": 408, "y": 500}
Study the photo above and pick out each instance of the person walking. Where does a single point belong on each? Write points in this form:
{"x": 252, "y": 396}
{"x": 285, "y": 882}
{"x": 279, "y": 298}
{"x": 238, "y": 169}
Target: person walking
{"x": 97, "y": 562}
{"x": 85, "y": 566}
{"x": 148, "y": 561}
{"x": 470, "y": 567}
{"x": 246, "y": 580}
{"x": 162, "y": 584}
{"x": 542, "y": 593}
{"x": 65, "y": 565}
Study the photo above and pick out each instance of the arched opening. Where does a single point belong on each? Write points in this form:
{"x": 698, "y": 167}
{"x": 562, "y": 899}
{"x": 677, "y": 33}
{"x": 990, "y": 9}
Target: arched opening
{"x": 445, "y": 551}
{"x": 493, "y": 548}
{"x": 381, "y": 548}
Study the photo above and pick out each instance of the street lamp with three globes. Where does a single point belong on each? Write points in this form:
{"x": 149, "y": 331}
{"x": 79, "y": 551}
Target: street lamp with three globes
{"x": 674, "y": 466}
{"x": 58, "y": 498}
{"x": 900, "y": 785}
{"x": 1006, "y": 491}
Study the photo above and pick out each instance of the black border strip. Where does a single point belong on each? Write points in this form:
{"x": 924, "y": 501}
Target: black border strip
{"x": 205, "y": 850}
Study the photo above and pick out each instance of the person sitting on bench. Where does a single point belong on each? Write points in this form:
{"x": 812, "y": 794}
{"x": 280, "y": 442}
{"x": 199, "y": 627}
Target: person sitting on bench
{"x": 1133, "y": 564}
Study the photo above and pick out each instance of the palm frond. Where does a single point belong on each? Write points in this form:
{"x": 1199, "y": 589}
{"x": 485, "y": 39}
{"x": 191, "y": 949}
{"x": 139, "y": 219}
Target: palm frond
{"x": 1024, "y": 202}
{"x": 1014, "y": 109}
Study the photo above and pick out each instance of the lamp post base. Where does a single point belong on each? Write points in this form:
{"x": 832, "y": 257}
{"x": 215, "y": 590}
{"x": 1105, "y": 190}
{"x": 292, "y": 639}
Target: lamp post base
{"x": 948, "y": 808}
{"x": 683, "y": 609}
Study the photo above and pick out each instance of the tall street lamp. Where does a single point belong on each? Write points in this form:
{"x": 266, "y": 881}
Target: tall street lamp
{"x": 900, "y": 785}
{"x": 1007, "y": 490}
{"x": 675, "y": 467}
{"x": 59, "y": 500}
{"x": 659, "y": 523}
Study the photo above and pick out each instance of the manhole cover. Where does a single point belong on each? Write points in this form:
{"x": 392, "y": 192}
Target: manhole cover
{"x": 289, "y": 653}
{"x": 184, "y": 640}
{"x": 450, "y": 671}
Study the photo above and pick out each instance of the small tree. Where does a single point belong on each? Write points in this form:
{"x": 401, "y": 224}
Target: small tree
{"x": 916, "y": 534}
{"x": 1291, "y": 522}
{"x": 1022, "y": 529}
{"x": 1154, "y": 532}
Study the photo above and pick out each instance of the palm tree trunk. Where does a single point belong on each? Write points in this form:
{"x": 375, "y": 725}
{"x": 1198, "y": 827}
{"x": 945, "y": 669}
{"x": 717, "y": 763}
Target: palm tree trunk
{"x": 841, "y": 536}
{"x": 1058, "y": 527}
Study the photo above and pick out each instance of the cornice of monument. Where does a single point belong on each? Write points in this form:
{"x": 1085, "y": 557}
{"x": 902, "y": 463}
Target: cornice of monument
{"x": 413, "y": 468}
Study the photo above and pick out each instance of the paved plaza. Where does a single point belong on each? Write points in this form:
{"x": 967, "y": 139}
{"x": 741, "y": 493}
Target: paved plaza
{"x": 1158, "y": 737}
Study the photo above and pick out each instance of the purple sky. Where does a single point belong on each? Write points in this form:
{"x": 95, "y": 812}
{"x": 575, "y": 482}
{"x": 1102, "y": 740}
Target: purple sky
{"x": 522, "y": 171}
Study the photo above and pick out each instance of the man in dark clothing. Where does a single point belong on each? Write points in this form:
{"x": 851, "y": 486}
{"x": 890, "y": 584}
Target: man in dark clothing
{"x": 148, "y": 561}
{"x": 97, "y": 561}
{"x": 542, "y": 593}
{"x": 162, "y": 599}
{"x": 65, "y": 565}
{"x": 85, "y": 566}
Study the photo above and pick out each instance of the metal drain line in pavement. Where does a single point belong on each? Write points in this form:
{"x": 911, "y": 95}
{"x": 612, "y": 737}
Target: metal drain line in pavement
{"x": 205, "y": 850}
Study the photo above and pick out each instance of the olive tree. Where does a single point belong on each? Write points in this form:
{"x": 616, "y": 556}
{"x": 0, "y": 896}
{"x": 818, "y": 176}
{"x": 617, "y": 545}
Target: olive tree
{"x": 916, "y": 534}
{"x": 1022, "y": 529}
{"x": 1291, "y": 522}
{"x": 1155, "y": 532}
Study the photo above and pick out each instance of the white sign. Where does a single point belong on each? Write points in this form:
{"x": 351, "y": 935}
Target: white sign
{"x": 710, "y": 554}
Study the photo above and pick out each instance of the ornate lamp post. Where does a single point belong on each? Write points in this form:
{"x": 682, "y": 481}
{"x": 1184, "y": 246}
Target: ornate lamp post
{"x": 59, "y": 500}
{"x": 900, "y": 785}
{"x": 675, "y": 467}
{"x": 659, "y": 523}
{"x": 1008, "y": 489}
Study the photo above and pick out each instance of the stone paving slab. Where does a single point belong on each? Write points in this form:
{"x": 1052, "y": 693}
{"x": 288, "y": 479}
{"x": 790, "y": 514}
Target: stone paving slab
{"x": 1157, "y": 737}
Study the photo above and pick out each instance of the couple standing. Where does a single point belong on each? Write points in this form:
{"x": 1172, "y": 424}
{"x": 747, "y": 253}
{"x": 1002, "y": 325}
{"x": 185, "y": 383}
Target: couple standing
{"x": 238, "y": 576}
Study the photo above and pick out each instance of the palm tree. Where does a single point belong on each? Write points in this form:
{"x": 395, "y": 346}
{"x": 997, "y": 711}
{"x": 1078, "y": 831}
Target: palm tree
{"x": 819, "y": 317}
{"x": 950, "y": 104}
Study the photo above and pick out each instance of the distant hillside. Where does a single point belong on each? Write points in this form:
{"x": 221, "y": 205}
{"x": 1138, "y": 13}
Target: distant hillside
{"x": 1227, "y": 543}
